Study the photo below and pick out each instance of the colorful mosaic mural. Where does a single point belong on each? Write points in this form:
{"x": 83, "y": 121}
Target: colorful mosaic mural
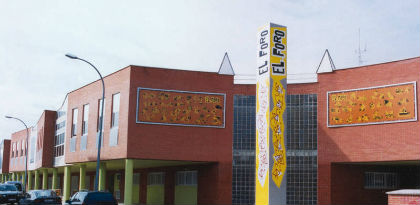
{"x": 385, "y": 104}
{"x": 180, "y": 108}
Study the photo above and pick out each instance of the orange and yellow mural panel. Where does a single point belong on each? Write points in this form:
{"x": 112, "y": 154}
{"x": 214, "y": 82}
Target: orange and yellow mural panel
{"x": 384, "y": 104}
{"x": 171, "y": 107}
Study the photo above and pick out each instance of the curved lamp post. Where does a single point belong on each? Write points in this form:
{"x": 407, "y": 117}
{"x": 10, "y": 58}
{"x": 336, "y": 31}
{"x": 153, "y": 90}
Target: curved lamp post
{"x": 26, "y": 151}
{"x": 101, "y": 121}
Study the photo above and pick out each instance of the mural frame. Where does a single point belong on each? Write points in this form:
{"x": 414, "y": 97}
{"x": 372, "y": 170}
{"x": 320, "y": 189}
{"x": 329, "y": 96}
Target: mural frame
{"x": 180, "y": 124}
{"x": 414, "y": 83}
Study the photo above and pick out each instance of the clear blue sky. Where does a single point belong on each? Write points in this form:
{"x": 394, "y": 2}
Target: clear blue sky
{"x": 192, "y": 35}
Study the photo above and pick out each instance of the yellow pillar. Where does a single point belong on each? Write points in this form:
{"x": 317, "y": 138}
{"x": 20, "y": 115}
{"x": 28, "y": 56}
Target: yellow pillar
{"x": 67, "y": 181}
{"x": 36, "y": 180}
{"x": 54, "y": 179}
{"x": 29, "y": 180}
{"x": 102, "y": 177}
{"x": 82, "y": 182}
{"x": 128, "y": 182}
{"x": 45, "y": 179}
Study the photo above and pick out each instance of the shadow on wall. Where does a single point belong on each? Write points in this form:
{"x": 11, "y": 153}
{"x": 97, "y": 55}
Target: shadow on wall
{"x": 328, "y": 151}
{"x": 348, "y": 182}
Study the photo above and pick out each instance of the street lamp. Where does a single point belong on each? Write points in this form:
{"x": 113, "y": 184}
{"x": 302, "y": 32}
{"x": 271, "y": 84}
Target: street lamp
{"x": 98, "y": 159}
{"x": 26, "y": 151}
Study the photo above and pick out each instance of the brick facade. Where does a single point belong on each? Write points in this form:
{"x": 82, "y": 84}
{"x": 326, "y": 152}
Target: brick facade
{"x": 344, "y": 153}
{"x": 368, "y": 143}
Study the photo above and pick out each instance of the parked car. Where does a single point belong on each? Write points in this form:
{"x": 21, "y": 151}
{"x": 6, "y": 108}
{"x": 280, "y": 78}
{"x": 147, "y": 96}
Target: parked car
{"x": 92, "y": 198}
{"x": 17, "y": 184}
{"x": 35, "y": 197}
{"x": 9, "y": 194}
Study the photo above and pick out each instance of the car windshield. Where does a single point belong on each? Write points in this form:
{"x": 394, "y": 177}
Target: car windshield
{"x": 7, "y": 187}
{"x": 43, "y": 193}
{"x": 100, "y": 196}
{"x": 17, "y": 185}
{"x": 82, "y": 196}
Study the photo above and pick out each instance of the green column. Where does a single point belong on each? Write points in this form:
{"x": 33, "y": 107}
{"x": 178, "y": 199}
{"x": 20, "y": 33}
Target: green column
{"x": 36, "y": 179}
{"x": 45, "y": 179}
{"x": 128, "y": 183}
{"x": 29, "y": 180}
{"x": 82, "y": 182}
{"x": 54, "y": 178}
{"x": 102, "y": 177}
{"x": 66, "y": 187}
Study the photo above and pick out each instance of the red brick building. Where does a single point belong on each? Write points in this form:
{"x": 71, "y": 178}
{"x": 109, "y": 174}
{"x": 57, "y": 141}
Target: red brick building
{"x": 177, "y": 137}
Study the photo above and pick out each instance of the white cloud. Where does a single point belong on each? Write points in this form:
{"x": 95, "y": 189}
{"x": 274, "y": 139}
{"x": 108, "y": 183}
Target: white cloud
{"x": 35, "y": 35}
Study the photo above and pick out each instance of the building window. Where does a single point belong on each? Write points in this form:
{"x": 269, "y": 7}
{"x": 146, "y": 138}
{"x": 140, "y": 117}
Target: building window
{"x": 381, "y": 180}
{"x": 60, "y": 134}
{"x": 60, "y": 113}
{"x": 85, "y": 119}
{"x": 301, "y": 149}
{"x": 59, "y": 145}
{"x": 13, "y": 149}
{"x": 243, "y": 153}
{"x": 21, "y": 147}
{"x": 17, "y": 149}
{"x": 186, "y": 178}
{"x": 60, "y": 125}
{"x": 301, "y": 145}
{"x": 100, "y": 117}
{"x": 115, "y": 109}
{"x": 24, "y": 147}
{"x": 74, "y": 123}
{"x": 156, "y": 178}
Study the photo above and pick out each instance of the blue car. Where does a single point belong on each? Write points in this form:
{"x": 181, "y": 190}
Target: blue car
{"x": 92, "y": 198}
{"x": 9, "y": 194}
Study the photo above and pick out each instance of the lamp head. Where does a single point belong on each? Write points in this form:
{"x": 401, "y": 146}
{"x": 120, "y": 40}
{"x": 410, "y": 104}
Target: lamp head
{"x": 69, "y": 55}
{"x": 8, "y": 116}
